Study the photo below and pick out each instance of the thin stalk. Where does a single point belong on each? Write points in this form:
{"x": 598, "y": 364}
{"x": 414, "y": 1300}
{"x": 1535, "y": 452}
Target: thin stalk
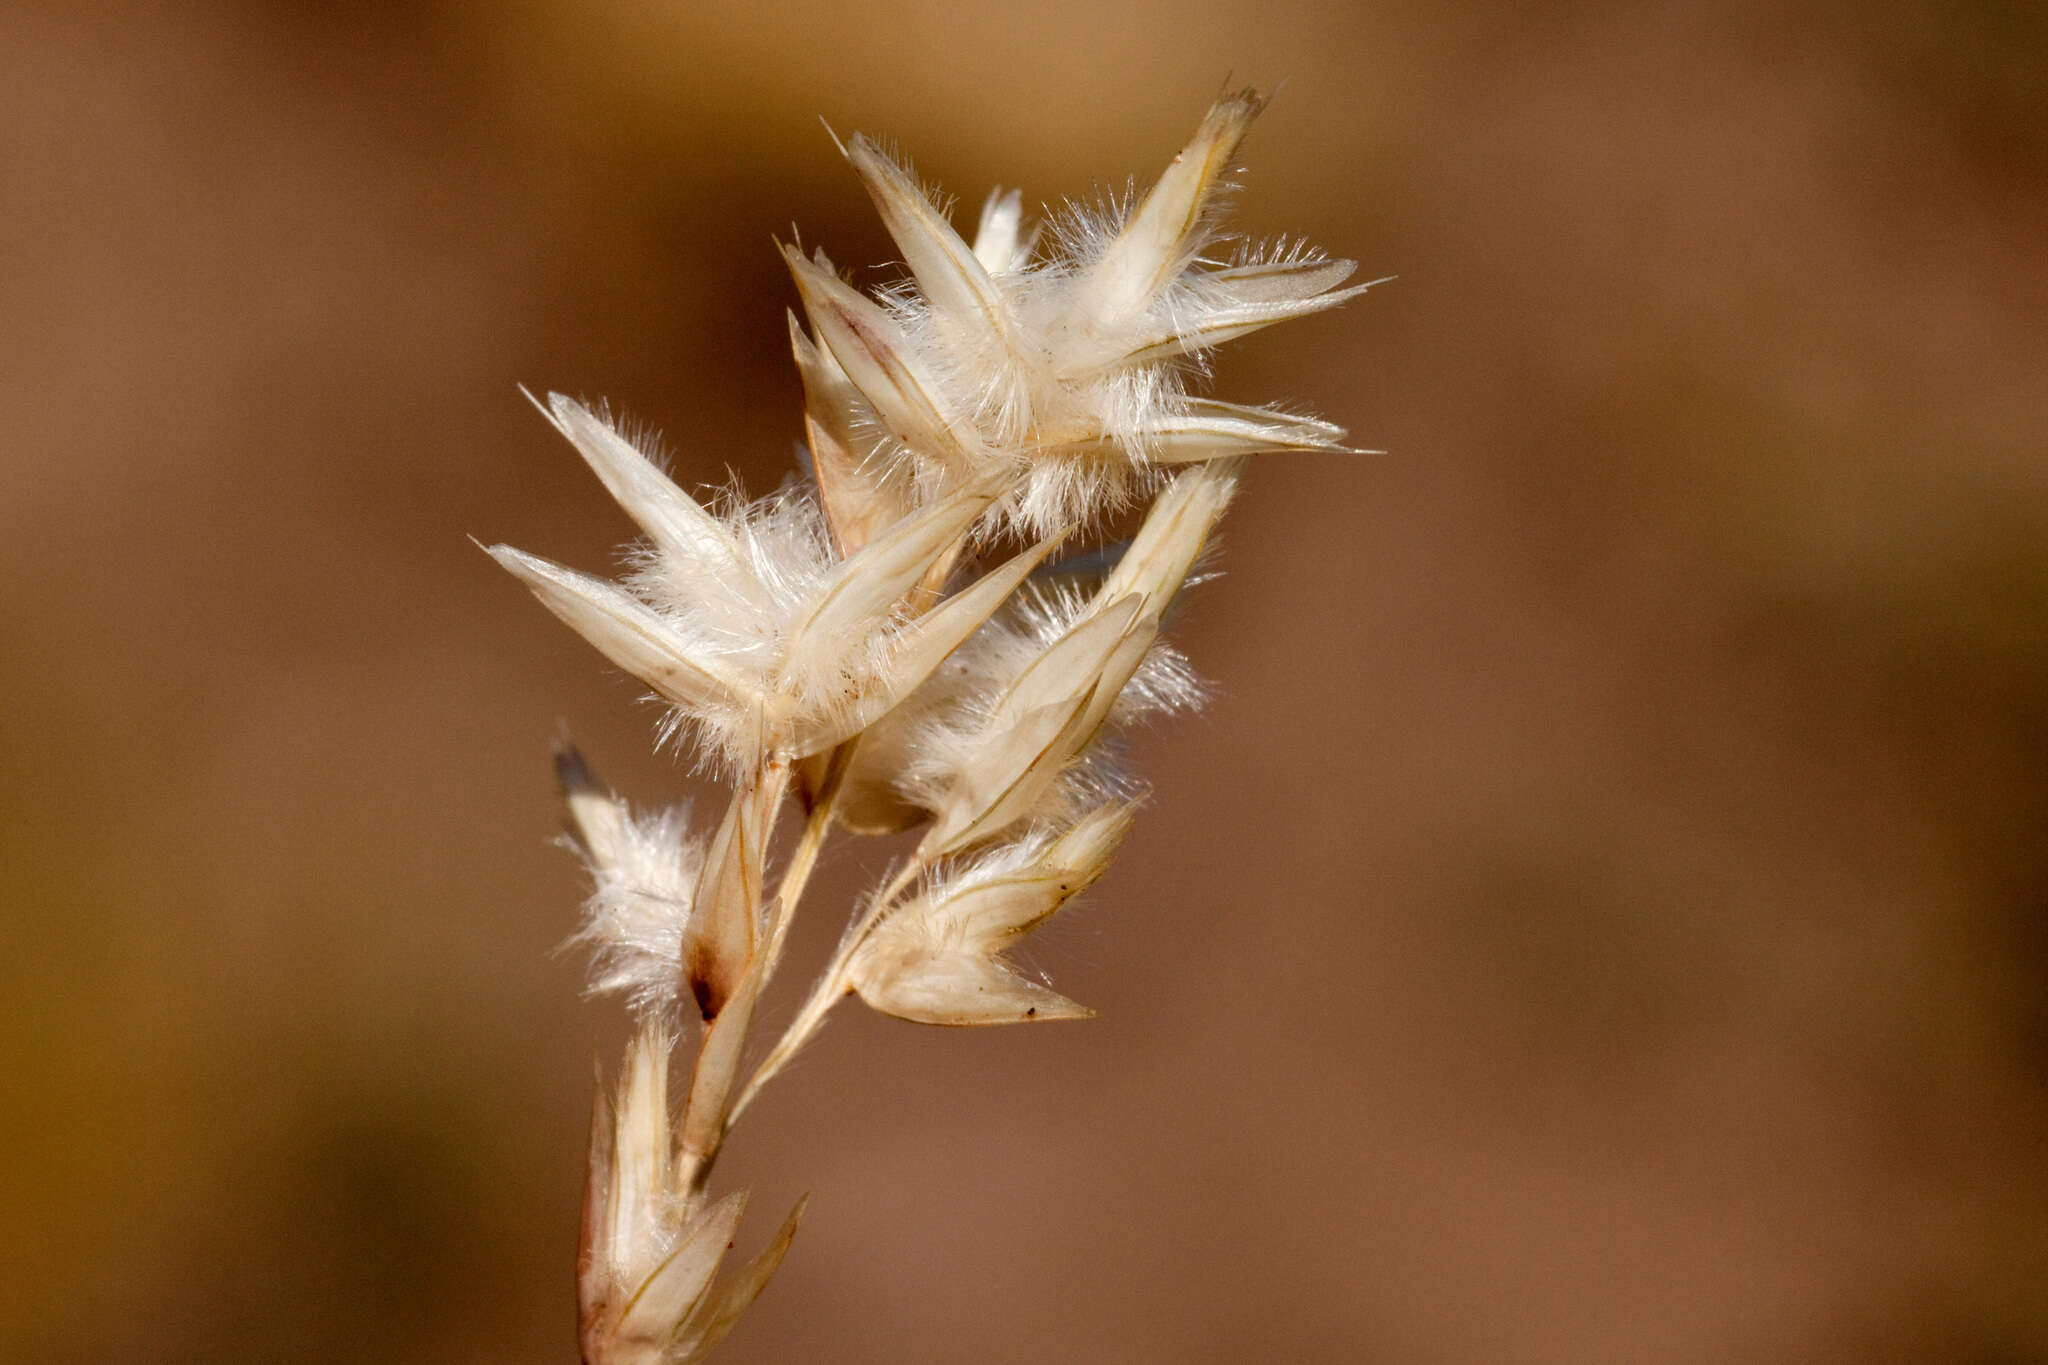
{"x": 830, "y": 987}
{"x": 804, "y": 860}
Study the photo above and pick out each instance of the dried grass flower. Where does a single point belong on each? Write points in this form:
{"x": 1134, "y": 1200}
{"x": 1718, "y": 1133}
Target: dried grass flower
{"x": 1070, "y": 365}
{"x": 864, "y": 641}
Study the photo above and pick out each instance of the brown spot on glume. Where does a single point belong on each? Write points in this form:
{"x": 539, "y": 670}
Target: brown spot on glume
{"x": 1032, "y": 1012}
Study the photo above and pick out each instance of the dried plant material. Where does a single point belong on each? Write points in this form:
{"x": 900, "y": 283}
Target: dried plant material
{"x": 935, "y": 960}
{"x": 629, "y": 633}
{"x": 745, "y": 623}
{"x": 1160, "y": 240}
{"x": 646, "y": 1278}
{"x": 1035, "y": 728}
{"x": 644, "y": 872}
{"x": 956, "y": 285}
{"x": 1070, "y": 368}
{"x": 719, "y": 943}
{"x": 997, "y": 765}
{"x": 861, "y": 496}
{"x": 922, "y": 647}
{"x": 1002, "y": 243}
{"x": 877, "y": 356}
{"x": 718, "y": 1311}
{"x": 711, "y": 1080}
{"x": 888, "y": 642}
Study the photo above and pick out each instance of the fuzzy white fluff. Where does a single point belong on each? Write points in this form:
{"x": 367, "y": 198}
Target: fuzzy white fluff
{"x": 937, "y": 958}
{"x": 643, "y": 872}
{"x": 1069, "y": 367}
{"x": 743, "y": 616}
{"x": 950, "y": 729}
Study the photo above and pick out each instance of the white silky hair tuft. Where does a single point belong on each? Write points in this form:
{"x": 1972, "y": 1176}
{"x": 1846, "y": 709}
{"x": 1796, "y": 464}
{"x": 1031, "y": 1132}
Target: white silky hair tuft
{"x": 642, "y": 884}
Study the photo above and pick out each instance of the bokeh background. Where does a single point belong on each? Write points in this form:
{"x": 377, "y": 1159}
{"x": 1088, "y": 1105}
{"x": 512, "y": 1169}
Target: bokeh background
{"x": 1603, "y": 916}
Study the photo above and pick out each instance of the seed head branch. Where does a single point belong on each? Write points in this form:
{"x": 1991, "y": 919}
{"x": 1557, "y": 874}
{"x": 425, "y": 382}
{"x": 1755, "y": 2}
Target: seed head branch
{"x": 894, "y": 640}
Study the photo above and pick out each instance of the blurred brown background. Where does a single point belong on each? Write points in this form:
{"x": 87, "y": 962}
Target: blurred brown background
{"x": 1600, "y": 919}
